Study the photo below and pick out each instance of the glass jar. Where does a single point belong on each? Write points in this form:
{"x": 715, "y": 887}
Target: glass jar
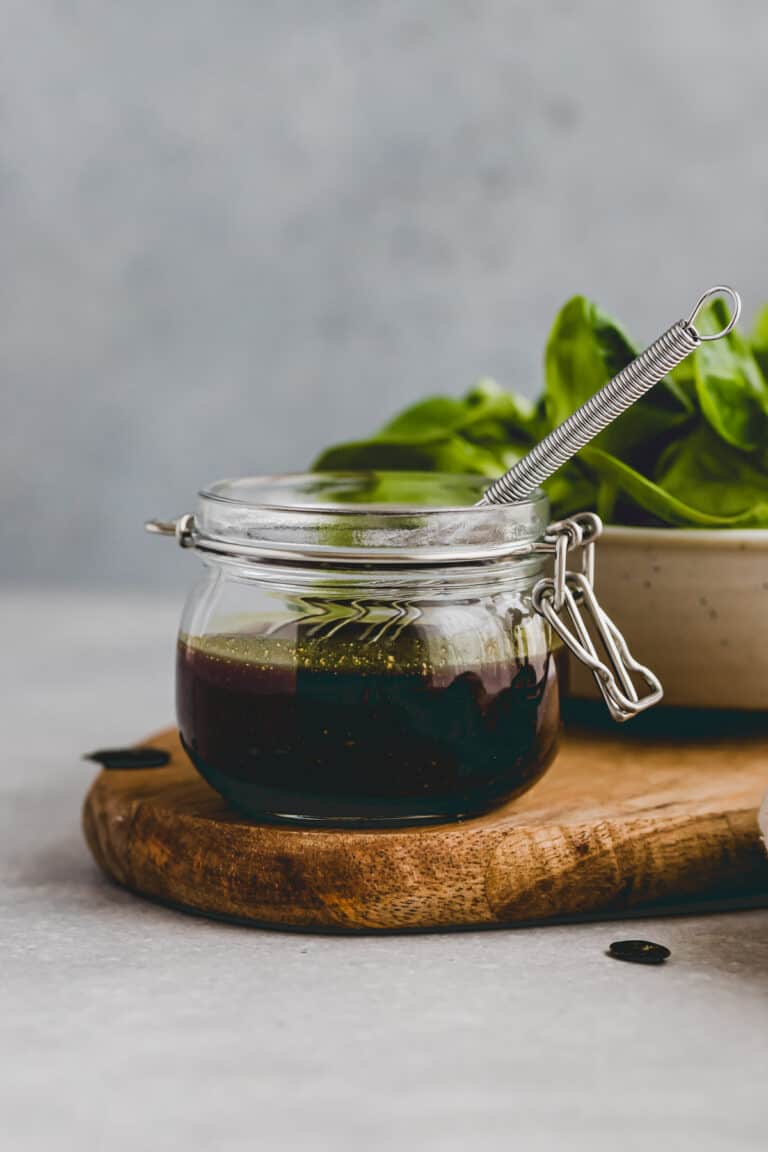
{"x": 348, "y": 661}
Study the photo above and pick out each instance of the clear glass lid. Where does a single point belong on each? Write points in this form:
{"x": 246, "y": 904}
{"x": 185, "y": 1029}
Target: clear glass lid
{"x": 390, "y": 517}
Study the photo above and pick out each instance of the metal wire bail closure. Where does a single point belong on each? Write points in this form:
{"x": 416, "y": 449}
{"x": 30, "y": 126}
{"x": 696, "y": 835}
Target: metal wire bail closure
{"x": 570, "y": 596}
{"x": 183, "y": 529}
{"x": 566, "y": 600}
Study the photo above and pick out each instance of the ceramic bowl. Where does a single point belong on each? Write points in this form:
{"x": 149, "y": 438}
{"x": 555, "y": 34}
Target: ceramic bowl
{"x": 693, "y": 606}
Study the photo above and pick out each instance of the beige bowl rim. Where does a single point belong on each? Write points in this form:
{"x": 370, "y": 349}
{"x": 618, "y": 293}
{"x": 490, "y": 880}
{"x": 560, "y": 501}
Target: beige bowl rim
{"x": 735, "y": 539}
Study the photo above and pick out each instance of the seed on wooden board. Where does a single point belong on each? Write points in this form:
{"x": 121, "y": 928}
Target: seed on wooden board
{"x": 120, "y": 759}
{"x": 639, "y": 951}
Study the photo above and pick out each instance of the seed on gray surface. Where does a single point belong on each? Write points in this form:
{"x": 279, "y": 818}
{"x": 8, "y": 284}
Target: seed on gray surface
{"x": 639, "y": 951}
{"x": 120, "y": 759}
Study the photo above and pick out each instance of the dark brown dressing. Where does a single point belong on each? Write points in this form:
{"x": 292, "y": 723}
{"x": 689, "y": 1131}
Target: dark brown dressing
{"x": 337, "y": 732}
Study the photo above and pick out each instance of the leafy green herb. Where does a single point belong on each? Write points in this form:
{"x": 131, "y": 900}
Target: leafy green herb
{"x": 692, "y": 453}
{"x": 731, "y": 389}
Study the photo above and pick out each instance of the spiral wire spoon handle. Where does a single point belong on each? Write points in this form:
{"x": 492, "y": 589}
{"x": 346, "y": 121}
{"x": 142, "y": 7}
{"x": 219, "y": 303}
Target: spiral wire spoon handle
{"x": 639, "y": 376}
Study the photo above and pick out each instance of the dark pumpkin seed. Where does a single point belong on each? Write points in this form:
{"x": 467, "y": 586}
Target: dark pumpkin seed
{"x": 639, "y": 951}
{"x": 120, "y": 759}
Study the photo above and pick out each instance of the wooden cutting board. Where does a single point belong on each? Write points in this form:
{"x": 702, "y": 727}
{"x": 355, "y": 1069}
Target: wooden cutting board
{"x": 657, "y": 815}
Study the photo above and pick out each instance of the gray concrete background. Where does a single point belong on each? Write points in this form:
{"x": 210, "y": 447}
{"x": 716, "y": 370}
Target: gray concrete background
{"x": 232, "y": 233}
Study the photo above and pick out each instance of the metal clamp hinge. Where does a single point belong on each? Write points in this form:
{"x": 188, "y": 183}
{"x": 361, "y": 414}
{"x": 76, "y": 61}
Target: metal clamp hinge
{"x": 183, "y": 529}
{"x": 570, "y": 596}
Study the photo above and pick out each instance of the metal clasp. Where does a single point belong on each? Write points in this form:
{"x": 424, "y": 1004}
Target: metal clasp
{"x": 569, "y": 595}
{"x": 183, "y": 529}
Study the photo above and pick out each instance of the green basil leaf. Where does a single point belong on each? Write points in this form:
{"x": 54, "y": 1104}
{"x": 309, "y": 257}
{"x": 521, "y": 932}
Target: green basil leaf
{"x": 570, "y": 490}
{"x": 690, "y": 492}
{"x": 715, "y": 478}
{"x": 731, "y": 389}
{"x": 449, "y": 454}
{"x": 431, "y": 419}
{"x": 484, "y": 433}
{"x": 759, "y": 340}
{"x": 585, "y": 350}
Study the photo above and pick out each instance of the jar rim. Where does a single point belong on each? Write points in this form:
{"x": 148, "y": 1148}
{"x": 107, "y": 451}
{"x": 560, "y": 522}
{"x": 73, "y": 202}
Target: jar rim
{"x": 431, "y": 484}
{"x": 342, "y": 516}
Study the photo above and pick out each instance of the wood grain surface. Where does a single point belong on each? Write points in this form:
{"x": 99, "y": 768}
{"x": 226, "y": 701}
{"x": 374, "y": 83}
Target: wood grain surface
{"x": 654, "y": 815}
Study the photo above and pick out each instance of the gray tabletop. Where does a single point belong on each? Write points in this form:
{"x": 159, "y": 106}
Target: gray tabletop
{"x": 128, "y": 1026}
